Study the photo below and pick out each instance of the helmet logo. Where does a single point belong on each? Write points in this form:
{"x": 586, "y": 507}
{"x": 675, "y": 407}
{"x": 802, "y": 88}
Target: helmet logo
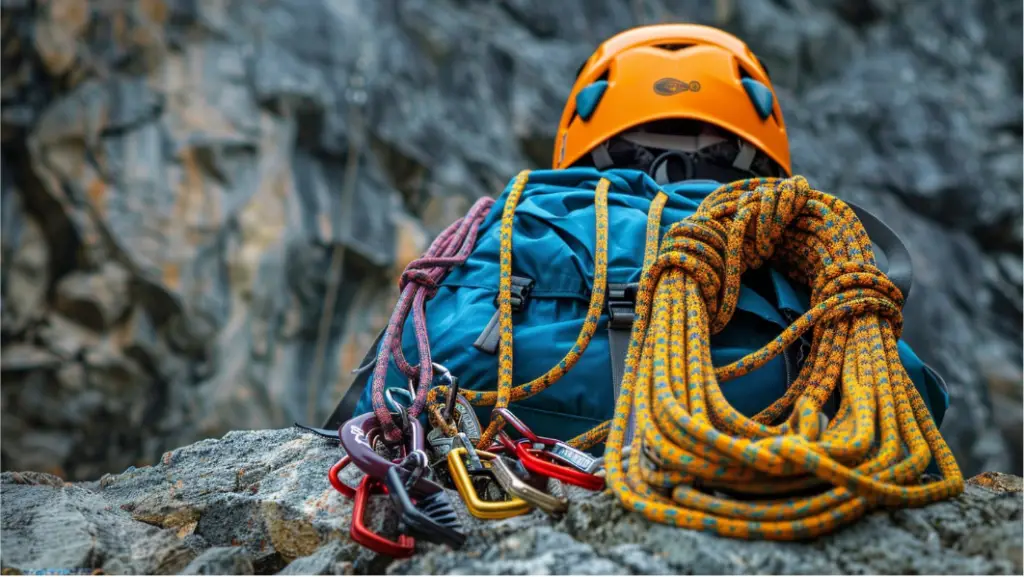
{"x": 671, "y": 86}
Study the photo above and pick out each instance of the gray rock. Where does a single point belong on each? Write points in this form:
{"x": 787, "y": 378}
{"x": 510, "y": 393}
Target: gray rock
{"x": 220, "y": 561}
{"x": 50, "y": 525}
{"x": 94, "y": 300}
{"x": 26, "y": 263}
{"x": 262, "y": 172}
{"x": 327, "y": 560}
{"x": 259, "y": 502}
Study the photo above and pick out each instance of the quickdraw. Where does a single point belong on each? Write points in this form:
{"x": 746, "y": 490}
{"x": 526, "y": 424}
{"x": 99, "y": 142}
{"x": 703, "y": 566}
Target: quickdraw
{"x": 554, "y": 448}
{"x": 404, "y": 473}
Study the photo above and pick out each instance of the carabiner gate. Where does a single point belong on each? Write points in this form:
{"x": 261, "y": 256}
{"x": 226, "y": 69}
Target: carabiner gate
{"x": 360, "y": 533}
{"x": 533, "y": 460}
{"x": 477, "y": 506}
{"x": 517, "y": 487}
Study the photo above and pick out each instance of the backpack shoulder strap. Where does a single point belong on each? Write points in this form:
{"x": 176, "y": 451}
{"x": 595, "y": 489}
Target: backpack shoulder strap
{"x": 890, "y": 252}
{"x": 347, "y": 404}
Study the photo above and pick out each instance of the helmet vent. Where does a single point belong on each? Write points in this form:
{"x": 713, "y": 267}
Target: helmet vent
{"x": 745, "y": 74}
{"x": 674, "y": 47}
{"x": 575, "y": 111}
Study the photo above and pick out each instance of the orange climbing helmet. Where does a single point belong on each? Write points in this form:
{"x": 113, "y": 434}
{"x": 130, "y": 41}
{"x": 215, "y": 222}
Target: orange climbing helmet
{"x": 671, "y": 72}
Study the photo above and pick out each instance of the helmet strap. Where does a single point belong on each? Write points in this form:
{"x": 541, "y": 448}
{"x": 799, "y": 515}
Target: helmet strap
{"x": 601, "y": 156}
{"x": 745, "y": 156}
{"x": 680, "y": 157}
{"x": 676, "y": 166}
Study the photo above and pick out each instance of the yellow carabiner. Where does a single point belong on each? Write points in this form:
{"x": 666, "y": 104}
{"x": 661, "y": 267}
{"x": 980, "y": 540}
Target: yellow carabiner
{"x": 477, "y": 506}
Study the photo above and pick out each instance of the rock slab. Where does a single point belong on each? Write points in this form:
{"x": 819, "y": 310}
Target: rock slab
{"x": 259, "y": 502}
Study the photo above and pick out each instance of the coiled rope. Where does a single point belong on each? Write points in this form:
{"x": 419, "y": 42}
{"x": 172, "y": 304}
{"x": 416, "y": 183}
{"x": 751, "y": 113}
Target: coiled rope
{"x": 872, "y": 453}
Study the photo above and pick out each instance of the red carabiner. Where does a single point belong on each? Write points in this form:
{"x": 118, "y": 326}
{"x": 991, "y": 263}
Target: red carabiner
{"x": 360, "y": 533}
{"x": 335, "y": 479}
{"x": 334, "y": 474}
{"x": 532, "y": 459}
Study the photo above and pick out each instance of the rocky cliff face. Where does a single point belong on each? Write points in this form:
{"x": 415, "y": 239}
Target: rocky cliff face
{"x": 259, "y": 502}
{"x": 206, "y": 205}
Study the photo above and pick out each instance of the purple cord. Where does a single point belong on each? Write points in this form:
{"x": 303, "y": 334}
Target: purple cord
{"x": 419, "y": 283}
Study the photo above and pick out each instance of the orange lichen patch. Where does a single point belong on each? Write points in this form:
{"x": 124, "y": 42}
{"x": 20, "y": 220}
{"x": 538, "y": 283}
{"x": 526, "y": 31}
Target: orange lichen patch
{"x": 411, "y": 243}
{"x": 160, "y": 513}
{"x": 96, "y": 191}
{"x": 36, "y": 478}
{"x": 320, "y": 504}
{"x": 999, "y": 482}
{"x": 154, "y": 10}
{"x": 166, "y": 458}
{"x": 291, "y": 538}
{"x": 178, "y": 486}
{"x": 171, "y": 275}
{"x": 187, "y": 529}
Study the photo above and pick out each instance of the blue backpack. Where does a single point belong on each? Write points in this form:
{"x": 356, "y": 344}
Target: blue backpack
{"x": 553, "y": 264}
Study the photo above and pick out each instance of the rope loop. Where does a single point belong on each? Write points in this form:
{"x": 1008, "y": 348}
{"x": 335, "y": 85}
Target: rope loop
{"x": 416, "y": 273}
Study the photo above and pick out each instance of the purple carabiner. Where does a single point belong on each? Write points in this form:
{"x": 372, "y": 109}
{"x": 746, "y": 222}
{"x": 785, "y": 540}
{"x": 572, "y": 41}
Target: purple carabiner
{"x": 354, "y": 437}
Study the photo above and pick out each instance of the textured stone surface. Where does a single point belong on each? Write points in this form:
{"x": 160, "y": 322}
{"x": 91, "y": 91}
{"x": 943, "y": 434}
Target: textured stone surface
{"x": 206, "y": 205}
{"x": 220, "y": 561}
{"x": 260, "y": 502}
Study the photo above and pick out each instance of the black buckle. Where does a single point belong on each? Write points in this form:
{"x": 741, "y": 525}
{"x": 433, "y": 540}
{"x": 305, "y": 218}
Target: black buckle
{"x": 487, "y": 342}
{"x": 621, "y": 305}
{"x": 521, "y": 287}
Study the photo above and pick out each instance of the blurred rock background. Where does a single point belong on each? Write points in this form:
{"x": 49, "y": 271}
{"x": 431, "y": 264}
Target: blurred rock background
{"x": 206, "y": 204}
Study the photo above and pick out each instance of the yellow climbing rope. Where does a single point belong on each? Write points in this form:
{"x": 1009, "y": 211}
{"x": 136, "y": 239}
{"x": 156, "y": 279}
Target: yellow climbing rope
{"x": 871, "y": 454}
{"x": 505, "y": 392}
